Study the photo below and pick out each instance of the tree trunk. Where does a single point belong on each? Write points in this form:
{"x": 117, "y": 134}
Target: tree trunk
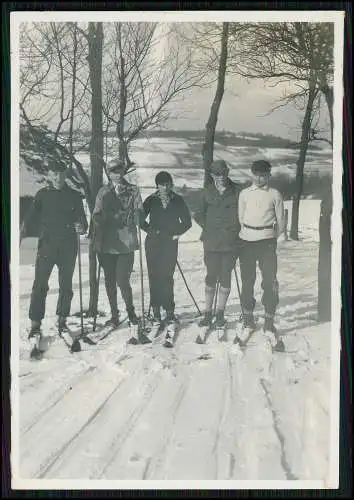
{"x": 95, "y": 40}
{"x": 208, "y": 146}
{"x": 305, "y": 136}
{"x": 328, "y": 93}
{"x": 122, "y": 101}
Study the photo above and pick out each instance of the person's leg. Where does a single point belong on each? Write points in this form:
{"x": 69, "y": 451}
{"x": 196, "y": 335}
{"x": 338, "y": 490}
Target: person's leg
{"x": 248, "y": 263}
{"x": 212, "y": 263}
{"x": 267, "y": 258}
{"x": 167, "y": 269}
{"x": 152, "y": 252}
{"x": 109, "y": 266}
{"x": 66, "y": 266}
{"x": 228, "y": 261}
{"x": 124, "y": 269}
{"x": 45, "y": 261}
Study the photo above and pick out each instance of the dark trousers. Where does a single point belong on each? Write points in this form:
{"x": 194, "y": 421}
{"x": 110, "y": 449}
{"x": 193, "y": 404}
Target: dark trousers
{"x": 219, "y": 266}
{"x": 61, "y": 252}
{"x": 263, "y": 252}
{"x": 161, "y": 258}
{"x": 117, "y": 269}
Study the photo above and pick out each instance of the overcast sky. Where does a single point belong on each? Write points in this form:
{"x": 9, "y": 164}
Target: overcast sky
{"x": 242, "y": 109}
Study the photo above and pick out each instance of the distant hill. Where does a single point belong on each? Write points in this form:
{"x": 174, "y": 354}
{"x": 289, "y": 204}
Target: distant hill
{"x": 225, "y": 138}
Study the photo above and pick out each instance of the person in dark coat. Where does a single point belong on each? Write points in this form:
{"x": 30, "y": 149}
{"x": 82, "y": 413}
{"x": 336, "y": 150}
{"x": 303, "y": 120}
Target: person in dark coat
{"x": 58, "y": 212}
{"x": 324, "y": 258}
{"x": 218, "y": 218}
{"x": 169, "y": 218}
{"x": 114, "y": 237}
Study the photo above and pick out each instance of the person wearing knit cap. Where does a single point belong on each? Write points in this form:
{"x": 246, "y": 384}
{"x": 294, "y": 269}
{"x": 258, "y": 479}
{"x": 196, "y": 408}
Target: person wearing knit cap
{"x": 261, "y": 215}
{"x": 218, "y": 218}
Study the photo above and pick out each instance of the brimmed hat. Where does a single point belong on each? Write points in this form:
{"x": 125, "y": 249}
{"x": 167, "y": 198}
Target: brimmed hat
{"x": 115, "y": 165}
{"x": 261, "y": 167}
{"x": 219, "y": 167}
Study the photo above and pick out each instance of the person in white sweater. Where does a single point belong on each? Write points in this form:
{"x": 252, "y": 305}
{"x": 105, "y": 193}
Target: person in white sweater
{"x": 262, "y": 220}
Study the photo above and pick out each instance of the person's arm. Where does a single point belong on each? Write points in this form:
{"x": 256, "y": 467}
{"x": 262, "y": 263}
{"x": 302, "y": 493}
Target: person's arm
{"x": 81, "y": 224}
{"x": 279, "y": 213}
{"x": 241, "y": 207}
{"x": 32, "y": 215}
{"x": 98, "y": 214}
{"x": 185, "y": 221}
{"x": 144, "y": 213}
{"x": 200, "y": 214}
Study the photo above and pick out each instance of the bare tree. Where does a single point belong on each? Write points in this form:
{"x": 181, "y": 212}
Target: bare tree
{"x": 208, "y": 146}
{"x": 300, "y": 54}
{"x": 147, "y": 70}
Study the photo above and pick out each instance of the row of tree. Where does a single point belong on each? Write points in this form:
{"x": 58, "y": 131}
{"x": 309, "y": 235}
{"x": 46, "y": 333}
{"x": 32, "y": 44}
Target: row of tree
{"x": 122, "y": 77}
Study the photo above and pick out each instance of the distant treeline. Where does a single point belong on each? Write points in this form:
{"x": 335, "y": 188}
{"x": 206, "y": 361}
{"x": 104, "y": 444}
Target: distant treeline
{"x": 224, "y": 138}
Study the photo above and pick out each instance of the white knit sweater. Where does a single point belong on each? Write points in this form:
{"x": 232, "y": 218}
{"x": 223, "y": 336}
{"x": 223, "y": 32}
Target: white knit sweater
{"x": 259, "y": 207}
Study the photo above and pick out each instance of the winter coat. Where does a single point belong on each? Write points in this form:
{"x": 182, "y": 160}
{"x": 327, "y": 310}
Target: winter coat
{"x": 54, "y": 212}
{"x": 218, "y": 217}
{"x": 166, "y": 222}
{"x": 114, "y": 219}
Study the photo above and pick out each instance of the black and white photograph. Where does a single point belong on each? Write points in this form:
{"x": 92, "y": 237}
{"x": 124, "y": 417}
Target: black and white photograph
{"x": 176, "y": 199}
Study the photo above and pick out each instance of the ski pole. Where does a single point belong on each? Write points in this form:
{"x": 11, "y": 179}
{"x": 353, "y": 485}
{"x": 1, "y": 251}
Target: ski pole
{"x": 80, "y": 284}
{"x": 238, "y": 290}
{"x": 141, "y": 277}
{"x": 98, "y": 286}
{"x": 190, "y": 293}
{"x": 216, "y": 297}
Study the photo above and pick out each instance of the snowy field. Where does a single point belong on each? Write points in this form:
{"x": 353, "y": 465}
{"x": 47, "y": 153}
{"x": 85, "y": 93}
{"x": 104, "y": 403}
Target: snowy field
{"x": 182, "y": 158}
{"x": 195, "y": 412}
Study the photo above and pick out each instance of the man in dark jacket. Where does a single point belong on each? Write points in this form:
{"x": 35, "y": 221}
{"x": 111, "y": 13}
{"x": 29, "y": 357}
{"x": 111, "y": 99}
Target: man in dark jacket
{"x": 114, "y": 237}
{"x": 218, "y": 217}
{"x": 58, "y": 211}
{"x": 169, "y": 218}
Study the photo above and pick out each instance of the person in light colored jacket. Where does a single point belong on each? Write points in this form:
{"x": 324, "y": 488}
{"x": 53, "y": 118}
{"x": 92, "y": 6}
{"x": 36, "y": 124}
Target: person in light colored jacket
{"x": 262, "y": 219}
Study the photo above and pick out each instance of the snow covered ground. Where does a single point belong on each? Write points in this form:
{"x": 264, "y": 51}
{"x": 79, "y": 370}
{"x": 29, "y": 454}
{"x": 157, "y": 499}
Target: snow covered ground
{"x": 192, "y": 413}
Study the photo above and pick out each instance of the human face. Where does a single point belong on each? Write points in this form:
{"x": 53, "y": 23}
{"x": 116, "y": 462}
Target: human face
{"x": 57, "y": 179}
{"x": 261, "y": 180}
{"x": 219, "y": 180}
{"x": 164, "y": 188}
{"x": 116, "y": 177}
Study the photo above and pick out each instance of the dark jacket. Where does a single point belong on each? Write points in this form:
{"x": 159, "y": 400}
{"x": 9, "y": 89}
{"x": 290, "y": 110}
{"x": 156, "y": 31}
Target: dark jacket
{"x": 218, "y": 217}
{"x": 114, "y": 219}
{"x": 173, "y": 220}
{"x": 55, "y": 211}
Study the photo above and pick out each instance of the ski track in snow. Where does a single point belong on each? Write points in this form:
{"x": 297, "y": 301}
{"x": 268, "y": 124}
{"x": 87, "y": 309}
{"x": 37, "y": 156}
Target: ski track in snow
{"x": 118, "y": 411}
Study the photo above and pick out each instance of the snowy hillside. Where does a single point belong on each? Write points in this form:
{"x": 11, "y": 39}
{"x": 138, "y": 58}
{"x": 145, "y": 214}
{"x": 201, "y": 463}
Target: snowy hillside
{"x": 182, "y": 158}
{"x": 194, "y": 412}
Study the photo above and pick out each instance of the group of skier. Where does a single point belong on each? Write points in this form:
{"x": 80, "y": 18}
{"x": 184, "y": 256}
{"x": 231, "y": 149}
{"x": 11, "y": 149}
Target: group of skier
{"x": 236, "y": 224}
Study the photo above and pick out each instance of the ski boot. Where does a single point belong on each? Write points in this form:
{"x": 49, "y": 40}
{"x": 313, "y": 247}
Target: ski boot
{"x": 248, "y": 327}
{"x": 220, "y": 325}
{"x": 64, "y": 332}
{"x": 271, "y": 333}
{"x": 171, "y": 322}
{"x": 34, "y": 338}
{"x": 205, "y": 324}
